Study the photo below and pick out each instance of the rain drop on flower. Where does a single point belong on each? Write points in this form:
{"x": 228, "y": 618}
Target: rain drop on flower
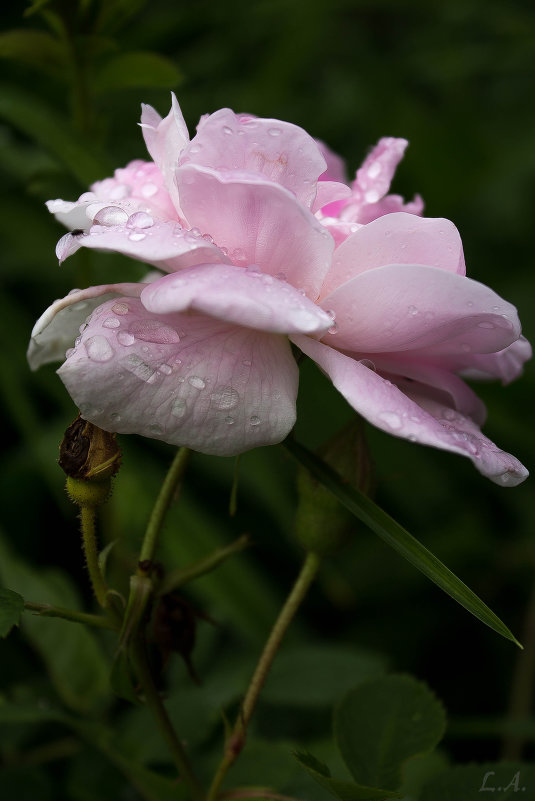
{"x": 98, "y": 348}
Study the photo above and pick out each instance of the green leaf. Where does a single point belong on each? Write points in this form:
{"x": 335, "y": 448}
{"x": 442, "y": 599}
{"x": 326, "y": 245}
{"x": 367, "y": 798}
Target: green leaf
{"x": 330, "y": 672}
{"x": 505, "y": 780}
{"x": 11, "y": 608}
{"x": 345, "y": 791}
{"x": 33, "y": 47}
{"x": 136, "y": 70}
{"x": 395, "y": 535}
{"x": 382, "y": 723}
{"x": 42, "y": 124}
{"x": 72, "y": 655}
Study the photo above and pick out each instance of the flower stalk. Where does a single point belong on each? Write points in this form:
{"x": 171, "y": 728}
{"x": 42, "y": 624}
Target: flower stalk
{"x": 236, "y": 739}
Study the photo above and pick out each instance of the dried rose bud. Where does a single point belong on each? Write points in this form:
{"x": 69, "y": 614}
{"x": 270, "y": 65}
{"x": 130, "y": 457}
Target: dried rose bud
{"x": 90, "y": 457}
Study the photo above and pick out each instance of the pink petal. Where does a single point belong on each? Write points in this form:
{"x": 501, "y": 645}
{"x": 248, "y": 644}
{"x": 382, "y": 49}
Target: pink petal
{"x": 165, "y": 140}
{"x": 271, "y": 149}
{"x": 328, "y": 192}
{"x": 396, "y": 239}
{"x": 258, "y": 223}
{"x": 409, "y": 306}
{"x": 418, "y": 419}
{"x": 506, "y": 365}
{"x": 185, "y": 379}
{"x": 59, "y": 325}
{"x": 391, "y": 204}
{"x": 163, "y": 244}
{"x": 375, "y": 175}
{"x": 245, "y": 297}
{"x": 336, "y": 168}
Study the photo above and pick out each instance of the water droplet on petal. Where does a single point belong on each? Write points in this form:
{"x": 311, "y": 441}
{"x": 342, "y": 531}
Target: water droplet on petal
{"x": 148, "y": 190}
{"x": 392, "y": 420}
{"x": 140, "y": 220}
{"x": 166, "y": 369}
{"x": 371, "y": 196}
{"x": 246, "y": 362}
{"x": 412, "y": 310}
{"x": 136, "y": 236}
{"x": 196, "y": 382}
{"x": 110, "y": 215}
{"x": 119, "y": 192}
{"x": 126, "y": 339}
{"x": 226, "y": 130}
{"x": 178, "y": 407}
{"x": 449, "y": 414}
{"x": 369, "y": 364}
{"x": 374, "y": 169}
{"x": 274, "y": 131}
{"x": 115, "y": 417}
{"x": 156, "y": 430}
{"x": 225, "y": 398}
{"x": 229, "y": 420}
{"x": 111, "y": 322}
{"x": 69, "y": 352}
{"x": 254, "y": 420}
{"x": 98, "y": 348}
{"x": 120, "y": 308}
{"x": 154, "y": 331}
{"x": 486, "y": 325}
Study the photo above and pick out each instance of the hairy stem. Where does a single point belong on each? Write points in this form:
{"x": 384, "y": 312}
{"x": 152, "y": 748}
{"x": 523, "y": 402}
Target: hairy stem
{"x": 236, "y": 740}
{"x": 176, "y": 578}
{"x": 46, "y": 610}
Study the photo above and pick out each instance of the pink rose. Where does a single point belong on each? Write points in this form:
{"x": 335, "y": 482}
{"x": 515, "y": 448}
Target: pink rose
{"x": 200, "y": 356}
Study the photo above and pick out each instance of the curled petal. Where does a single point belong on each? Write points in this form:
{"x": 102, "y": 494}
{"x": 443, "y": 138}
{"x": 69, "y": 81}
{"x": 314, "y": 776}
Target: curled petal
{"x": 375, "y": 175}
{"x": 409, "y": 307}
{"x": 258, "y": 223}
{"x": 396, "y": 239}
{"x": 336, "y": 168}
{"x": 419, "y": 419}
{"x": 391, "y": 204}
{"x": 165, "y": 245}
{"x": 329, "y": 192}
{"x": 185, "y": 379}
{"x": 506, "y": 365}
{"x": 245, "y": 297}
{"x": 273, "y": 150}
{"x": 165, "y": 140}
{"x": 58, "y": 327}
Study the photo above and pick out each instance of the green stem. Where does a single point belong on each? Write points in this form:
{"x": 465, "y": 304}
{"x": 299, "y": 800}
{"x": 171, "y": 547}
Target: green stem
{"x": 156, "y": 706}
{"x": 163, "y": 502}
{"x": 89, "y": 537}
{"x": 236, "y": 740}
{"x": 181, "y": 576}
{"x": 45, "y": 610}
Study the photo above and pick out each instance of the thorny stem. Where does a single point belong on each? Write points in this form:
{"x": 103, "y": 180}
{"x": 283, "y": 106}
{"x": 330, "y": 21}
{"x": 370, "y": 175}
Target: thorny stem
{"x": 163, "y": 502}
{"x": 236, "y": 739}
{"x": 156, "y": 706}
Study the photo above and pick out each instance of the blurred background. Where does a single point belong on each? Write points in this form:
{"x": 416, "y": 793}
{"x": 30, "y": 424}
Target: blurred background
{"x": 456, "y": 79}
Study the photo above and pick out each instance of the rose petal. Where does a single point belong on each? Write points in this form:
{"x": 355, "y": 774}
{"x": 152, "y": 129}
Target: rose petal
{"x": 245, "y": 297}
{"x": 396, "y": 239}
{"x": 165, "y": 245}
{"x": 185, "y": 379}
{"x": 274, "y": 150}
{"x": 165, "y": 140}
{"x": 418, "y": 419}
{"x": 409, "y": 306}
{"x": 328, "y": 192}
{"x": 258, "y": 223}
{"x": 336, "y": 168}
{"x": 365, "y": 213}
{"x": 59, "y": 325}
{"x": 506, "y": 365}
{"x": 375, "y": 175}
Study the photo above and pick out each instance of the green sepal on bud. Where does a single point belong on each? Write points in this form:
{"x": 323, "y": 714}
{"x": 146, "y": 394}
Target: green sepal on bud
{"x": 322, "y": 524}
{"x": 90, "y": 457}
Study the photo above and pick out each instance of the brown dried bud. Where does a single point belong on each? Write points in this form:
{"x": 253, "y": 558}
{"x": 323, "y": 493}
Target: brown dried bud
{"x": 89, "y": 453}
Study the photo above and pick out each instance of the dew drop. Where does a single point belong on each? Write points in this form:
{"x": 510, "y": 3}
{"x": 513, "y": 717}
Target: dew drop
{"x": 178, "y": 407}
{"x": 196, "y": 382}
{"x": 412, "y": 310}
{"x": 154, "y": 331}
{"x": 136, "y": 236}
{"x": 392, "y": 420}
{"x": 374, "y": 170}
{"x": 156, "y": 430}
{"x": 254, "y": 420}
{"x": 229, "y": 420}
{"x": 449, "y": 414}
{"x": 111, "y": 322}
{"x": 139, "y": 368}
{"x": 69, "y": 352}
{"x": 246, "y": 362}
{"x": 226, "y": 130}
{"x": 166, "y": 369}
{"x": 99, "y": 349}
{"x": 274, "y": 131}
{"x": 149, "y": 190}
{"x": 369, "y": 364}
{"x": 486, "y": 325}
{"x": 115, "y": 417}
{"x": 79, "y": 306}
{"x": 110, "y": 215}
{"x": 120, "y": 308}
{"x": 371, "y": 196}
{"x": 225, "y": 398}
{"x": 126, "y": 339}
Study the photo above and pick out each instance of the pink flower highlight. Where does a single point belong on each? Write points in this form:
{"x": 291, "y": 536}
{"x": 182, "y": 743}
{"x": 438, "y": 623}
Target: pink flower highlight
{"x": 258, "y": 242}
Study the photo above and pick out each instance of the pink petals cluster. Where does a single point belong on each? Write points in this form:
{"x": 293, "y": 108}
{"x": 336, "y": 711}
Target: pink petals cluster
{"x": 258, "y": 242}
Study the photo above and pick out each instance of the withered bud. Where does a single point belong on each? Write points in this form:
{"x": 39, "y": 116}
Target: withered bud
{"x": 90, "y": 457}
{"x": 88, "y": 452}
